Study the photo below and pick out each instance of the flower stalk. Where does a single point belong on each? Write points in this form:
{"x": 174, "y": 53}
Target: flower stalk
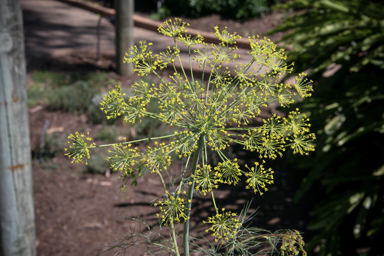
{"x": 190, "y": 195}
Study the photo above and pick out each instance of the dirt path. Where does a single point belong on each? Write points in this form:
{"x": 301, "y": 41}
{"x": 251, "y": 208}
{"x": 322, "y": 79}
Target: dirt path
{"x": 54, "y": 29}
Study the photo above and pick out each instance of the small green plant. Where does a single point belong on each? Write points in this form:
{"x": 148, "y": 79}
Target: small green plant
{"x": 68, "y": 92}
{"x": 76, "y": 98}
{"x": 212, "y": 112}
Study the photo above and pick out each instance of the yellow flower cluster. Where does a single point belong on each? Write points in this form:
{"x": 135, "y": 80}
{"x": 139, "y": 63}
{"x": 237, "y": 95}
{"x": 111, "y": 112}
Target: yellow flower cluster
{"x": 271, "y": 139}
{"x": 228, "y": 172}
{"x": 292, "y": 243}
{"x": 225, "y": 37}
{"x": 264, "y": 53}
{"x": 127, "y": 160}
{"x": 257, "y": 177}
{"x": 303, "y": 86}
{"x": 143, "y": 59}
{"x": 172, "y": 208}
{"x": 223, "y": 226}
{"x": 185, "y": 145}
{"x": 205, "y": 179}
{"x": 78, "y": 147}
{"x": 114, "y": 104}
{"x": 157, "y": 157}
{"x": 173, "y": 28}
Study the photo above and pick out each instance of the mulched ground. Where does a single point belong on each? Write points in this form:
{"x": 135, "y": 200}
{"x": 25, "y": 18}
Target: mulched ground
{"x": 77, "y": 213}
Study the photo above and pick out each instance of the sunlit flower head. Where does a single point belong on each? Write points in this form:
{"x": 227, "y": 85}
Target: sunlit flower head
{"x": 172, "y": 209}
{"x": 258, "y": 177}
{"x": 205, "y": 179}
{"x": 78, "y": 147}
{"x": 303, "y": 85}
{"x": 223, "y": 226}
{"x": 228, "y": 172}
{"x": 173, "y": 28}
{"x": 225, "y": 37}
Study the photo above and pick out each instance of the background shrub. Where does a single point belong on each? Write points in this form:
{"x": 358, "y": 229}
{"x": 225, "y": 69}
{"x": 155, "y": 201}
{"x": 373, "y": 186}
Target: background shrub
{"x": 234, "y": 9}
{"x": 75, "y": 98}
{"x": 231, "y": 9}
{"x": 72, "y": 92}
{"x": 347, "y": 38}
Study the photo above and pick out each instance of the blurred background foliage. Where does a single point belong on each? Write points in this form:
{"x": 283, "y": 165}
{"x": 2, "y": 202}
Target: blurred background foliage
{"x": 233, "y": 9}
{"x": 229, "y": 9}
{"x": 341, "y": 45}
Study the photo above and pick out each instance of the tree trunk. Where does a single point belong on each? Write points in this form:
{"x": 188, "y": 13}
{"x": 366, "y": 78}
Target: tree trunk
{"x": 124, "y": 34}
{"x": 17, "y": 228}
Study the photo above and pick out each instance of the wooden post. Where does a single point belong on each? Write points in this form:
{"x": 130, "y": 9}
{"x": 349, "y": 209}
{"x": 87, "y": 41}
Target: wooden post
{"x": 124, "y": 34}
{"x": 17, "y": 228}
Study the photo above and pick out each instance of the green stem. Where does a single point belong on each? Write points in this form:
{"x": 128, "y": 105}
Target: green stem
{"x": 214, "y": 202}
{"x": 265, "y": 236}
{"x": 157, "y": 117}
{"x": 174, "y": 240}
{"x": 190, "y": 63}
{"x": 238, "y": 129}
{"x": 133, "y": 141}
{"x": 181, "y": 64}
{"x": 162, "y": 181}
{"x": 190, "y": 194}
{"x": 184, "y": 172}
{"x": 202, "y": 77}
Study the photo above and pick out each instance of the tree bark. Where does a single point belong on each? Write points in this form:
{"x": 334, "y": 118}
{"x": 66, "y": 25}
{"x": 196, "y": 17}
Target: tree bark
{"x": 124, "y": 34}
{"x": 17, "y": 228}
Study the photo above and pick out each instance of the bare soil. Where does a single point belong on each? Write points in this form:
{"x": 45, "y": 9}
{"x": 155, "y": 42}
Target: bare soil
{"x": 77, "y": 213}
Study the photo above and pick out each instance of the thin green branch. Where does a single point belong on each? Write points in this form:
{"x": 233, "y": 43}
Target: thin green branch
{"x": 175, "y": 240}
{"x": 134, "y": 141}
{"x": 190, "y": 194}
